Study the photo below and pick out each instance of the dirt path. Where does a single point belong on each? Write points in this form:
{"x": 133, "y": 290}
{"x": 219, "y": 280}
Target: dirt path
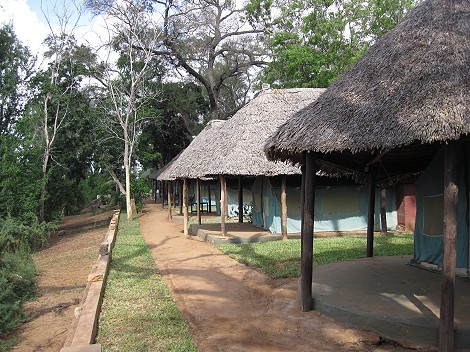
{"x": 230, "y": 307}
{"x": 63, "y": 267}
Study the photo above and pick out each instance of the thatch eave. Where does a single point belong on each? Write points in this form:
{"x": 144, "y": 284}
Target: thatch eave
{"x": 413, "y": 85}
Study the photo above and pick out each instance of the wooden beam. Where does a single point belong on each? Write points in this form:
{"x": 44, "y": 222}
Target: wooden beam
{"x": 383, "y": 209}
{"x": 240, "y": 199}
{"x": 198, "y": 192}
{"x": 223, "y": 203}
{"x": 170, "y": 217}
{"x": 163, "y": 193}
{"x": 180, "y": 185}
{"x": 283, "y": 208}
{"x": 306, "y": 300}
{"x": 451, "y": 190}
{"x": 185, "y": 208}
{"x": 174, "y": 191}
{"x": 370, "y": 213}
{"x": 209, "y": 206}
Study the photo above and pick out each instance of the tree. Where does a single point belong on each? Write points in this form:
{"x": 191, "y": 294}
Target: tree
{"x": 210, "y": 40}
{"x": 16, "y": 65}
{"x": 314, "y": 41}
{"x": 130, "y": 83}
{"x": 180, "y": 111}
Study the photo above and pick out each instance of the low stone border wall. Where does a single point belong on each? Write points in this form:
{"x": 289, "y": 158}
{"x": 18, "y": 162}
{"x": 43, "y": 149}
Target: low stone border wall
{"x": 87, "y": 315}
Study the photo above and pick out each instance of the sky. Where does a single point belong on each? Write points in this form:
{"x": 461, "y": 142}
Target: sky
{"x": 31, "y": 27}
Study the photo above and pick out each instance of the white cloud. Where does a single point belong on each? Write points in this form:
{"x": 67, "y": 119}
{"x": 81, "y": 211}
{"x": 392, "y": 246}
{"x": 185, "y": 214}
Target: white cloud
{"x": 29, "y": 29}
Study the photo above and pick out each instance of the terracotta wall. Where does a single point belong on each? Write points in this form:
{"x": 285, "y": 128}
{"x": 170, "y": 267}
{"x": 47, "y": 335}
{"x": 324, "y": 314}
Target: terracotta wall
{"x": 406, "y": 206}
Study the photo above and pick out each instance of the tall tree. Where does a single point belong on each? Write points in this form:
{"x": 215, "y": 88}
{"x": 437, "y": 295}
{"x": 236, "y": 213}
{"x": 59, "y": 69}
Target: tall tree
{"x": 16, "y": 66}
{"x": 210, "y": 40}
{"x": 314, "y": 41}
{"x": 130, "y": 83}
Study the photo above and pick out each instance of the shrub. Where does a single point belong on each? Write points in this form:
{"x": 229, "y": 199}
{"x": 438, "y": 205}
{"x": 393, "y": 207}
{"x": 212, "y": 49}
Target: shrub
{"x": 16, "y": 236}
{"x": 17, "y": 273}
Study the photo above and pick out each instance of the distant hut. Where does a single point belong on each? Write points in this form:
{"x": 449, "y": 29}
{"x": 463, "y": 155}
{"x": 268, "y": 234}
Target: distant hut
{"x": 235, "y": 155}
{"x": 389, "y": 116}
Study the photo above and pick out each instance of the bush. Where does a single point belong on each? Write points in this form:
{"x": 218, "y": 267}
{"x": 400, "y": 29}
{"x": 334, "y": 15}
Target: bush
{"x": 15, "y": 236}
{"x": 17, "y": 273}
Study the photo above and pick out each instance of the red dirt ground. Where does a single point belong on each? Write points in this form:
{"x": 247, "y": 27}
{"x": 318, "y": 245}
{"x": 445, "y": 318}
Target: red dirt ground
{"x": 63, "y": 268}
{"x": 231, "y": 307}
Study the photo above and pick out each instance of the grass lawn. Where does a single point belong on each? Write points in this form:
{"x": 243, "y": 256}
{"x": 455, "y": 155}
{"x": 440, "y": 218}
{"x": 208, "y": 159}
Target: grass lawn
{"x": 138, "y": 312}
{"x": 282, "y": 258}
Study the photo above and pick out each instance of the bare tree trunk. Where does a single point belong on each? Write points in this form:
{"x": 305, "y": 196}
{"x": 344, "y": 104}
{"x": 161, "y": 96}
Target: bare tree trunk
{"x": 127, "y": 169}
{"x": 42, "y": 200}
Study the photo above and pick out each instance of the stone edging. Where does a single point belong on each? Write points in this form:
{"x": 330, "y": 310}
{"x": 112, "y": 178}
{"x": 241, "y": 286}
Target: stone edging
{"x": 87, "y": 315}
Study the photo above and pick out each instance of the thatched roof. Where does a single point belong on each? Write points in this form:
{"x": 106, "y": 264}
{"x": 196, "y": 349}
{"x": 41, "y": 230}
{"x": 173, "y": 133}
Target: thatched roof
{"x": 162, "y": 173}
{"x": 186, "y": 163}
{"x": 411, "y": 87}
{"x": 237, "y": 149}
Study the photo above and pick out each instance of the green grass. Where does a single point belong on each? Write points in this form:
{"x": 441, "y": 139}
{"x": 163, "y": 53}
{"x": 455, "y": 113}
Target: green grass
{"x": 138, "y": 312}
{"x": 281, "y": 259}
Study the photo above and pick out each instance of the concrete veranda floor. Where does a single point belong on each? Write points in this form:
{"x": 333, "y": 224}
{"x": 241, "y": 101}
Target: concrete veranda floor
{"x": 387, "y": 295}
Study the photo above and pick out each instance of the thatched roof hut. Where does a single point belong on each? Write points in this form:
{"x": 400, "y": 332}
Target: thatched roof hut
{"x": 184, "y": 164}
{"x": 237, "y": 147}
{"x": 411, "y": 88}
{"x": 408, "y": 95}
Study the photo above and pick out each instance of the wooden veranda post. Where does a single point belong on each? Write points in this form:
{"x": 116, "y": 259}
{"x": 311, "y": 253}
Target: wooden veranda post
{"x": 209, "y": 206}
{"x": 283, "y": 208}
{"x": 163, "y": 193}
{"x": 451, "y": 191}
{"x": 185, "y": 208}
{"x": 223, "y": 201}
{"x": 180, "y": 200}
{"x": 383, "y": 209}
{"x": 308, "y": 183}
{"x": 240, "y": 199}
{"x": 169, "y": 200}
{"x": 198, "y": 211}
{"x": 370, "y": 213}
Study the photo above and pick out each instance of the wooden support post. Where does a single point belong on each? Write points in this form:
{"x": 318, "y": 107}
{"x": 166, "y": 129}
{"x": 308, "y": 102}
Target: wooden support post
{"x": 306, "y": 300}
{"x": 240, "y": 199}
{"x": 180, "y": 185}
{"x": 370, "y": 213}
{"x": 163, "y": 193}
{"x": 198, "y": 192}
{"x": 383, "y": 209}
{"x": 223, "y": 201}
{"x": 283, "y": 208}
{"x": 209, "y": 206}
{"x": 174, "y": 189}
{"x": 451, "y": 190}
{"x": 185, "y": 208}
{"x": 169, "y": 200}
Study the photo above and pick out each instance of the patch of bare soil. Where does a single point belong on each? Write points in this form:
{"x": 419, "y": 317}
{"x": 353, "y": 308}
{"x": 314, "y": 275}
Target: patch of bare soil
{"x": 231, "y": 307}
{"x": 63, "y": 268}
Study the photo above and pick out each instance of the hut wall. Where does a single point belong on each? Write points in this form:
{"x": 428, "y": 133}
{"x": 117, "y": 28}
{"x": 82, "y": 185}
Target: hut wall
{"x": 428, "y": 234}
{"x": 341, "y": 208}
{"x": 406, "y": 206}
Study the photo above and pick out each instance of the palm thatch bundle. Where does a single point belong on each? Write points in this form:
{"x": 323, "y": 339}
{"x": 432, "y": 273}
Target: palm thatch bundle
{"x": 236, "y": 148}
{"x": 411, "y": 87}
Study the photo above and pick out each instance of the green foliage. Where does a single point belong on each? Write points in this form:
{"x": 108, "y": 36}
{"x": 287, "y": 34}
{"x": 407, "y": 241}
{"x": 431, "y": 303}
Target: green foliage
{"x": 315, "y": 41}
{"x": 15, "y": 66}
{"x": 135, "y": 293}
{"x": 16, "y": 236}
{"x": 282, "y": 258}
{"x": 17, "y": 274}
